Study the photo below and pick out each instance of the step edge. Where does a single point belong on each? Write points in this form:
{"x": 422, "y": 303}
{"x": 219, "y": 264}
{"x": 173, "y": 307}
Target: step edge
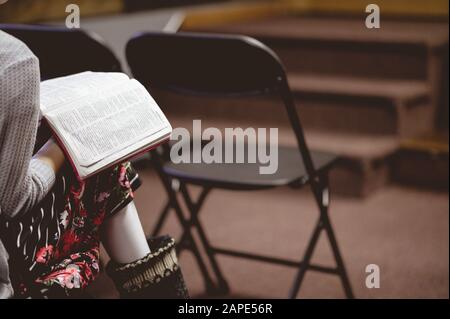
{"x": 298, "y": 88}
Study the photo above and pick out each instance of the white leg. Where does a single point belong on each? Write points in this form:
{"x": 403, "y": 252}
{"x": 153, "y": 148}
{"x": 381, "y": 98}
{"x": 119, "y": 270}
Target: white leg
{"x": 123, "y": 236}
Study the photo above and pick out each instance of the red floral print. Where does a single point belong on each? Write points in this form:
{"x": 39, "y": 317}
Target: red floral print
{"x": 70, "y": 259}
{"x": 44, "y": 254}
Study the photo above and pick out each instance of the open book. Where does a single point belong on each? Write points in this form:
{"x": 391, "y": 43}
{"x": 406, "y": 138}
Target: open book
{"x": 102, "y": 119}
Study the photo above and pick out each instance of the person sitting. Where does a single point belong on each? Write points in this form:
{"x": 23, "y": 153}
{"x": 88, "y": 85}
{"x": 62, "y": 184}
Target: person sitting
{"x": 51, "y": 224}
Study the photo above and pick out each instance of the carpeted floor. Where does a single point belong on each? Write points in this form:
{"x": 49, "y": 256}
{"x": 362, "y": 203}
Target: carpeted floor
{"x": 405, "y": 231}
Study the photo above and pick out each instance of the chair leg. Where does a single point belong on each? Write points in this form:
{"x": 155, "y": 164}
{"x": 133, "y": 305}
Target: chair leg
{"x": 186, "y": 225}
{"x": 342, "y": 272}
{"x": 194, "y": 209}
{"x": 209, "y": 283}
{"x": 323, "y": 224}
{"x": 162, "y": 218}
{"x": 306, "y": 260}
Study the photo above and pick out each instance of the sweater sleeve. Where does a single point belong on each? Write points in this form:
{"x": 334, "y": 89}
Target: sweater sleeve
{"x": 23, "y": 181}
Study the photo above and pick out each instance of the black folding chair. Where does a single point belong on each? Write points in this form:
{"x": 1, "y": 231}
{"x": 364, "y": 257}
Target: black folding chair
{"x": 221, "y": 66}
{"x": 63, "y": 51}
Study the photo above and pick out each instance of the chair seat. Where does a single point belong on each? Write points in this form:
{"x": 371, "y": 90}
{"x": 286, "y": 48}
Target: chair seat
{"x": 291, "y": 171}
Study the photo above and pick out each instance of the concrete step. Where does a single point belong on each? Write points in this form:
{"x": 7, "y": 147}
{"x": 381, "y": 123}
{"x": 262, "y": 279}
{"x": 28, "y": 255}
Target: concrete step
{"x": 362, "y": 105}
{"x": 423, "y": 161}
{"x": 406, "y": 90}
{"x": 336, "y": 104}
{"x": 365, "y": 160}
{"x": 341, "y": 29}
{"x": 344, "y": 46}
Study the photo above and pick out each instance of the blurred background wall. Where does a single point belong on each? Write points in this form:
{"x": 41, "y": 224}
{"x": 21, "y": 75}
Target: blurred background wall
{"x": 33, "y": 11}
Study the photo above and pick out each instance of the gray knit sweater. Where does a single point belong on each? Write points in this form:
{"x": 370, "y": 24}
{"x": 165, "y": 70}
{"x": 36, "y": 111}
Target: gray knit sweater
{"x": 24, "y": 181}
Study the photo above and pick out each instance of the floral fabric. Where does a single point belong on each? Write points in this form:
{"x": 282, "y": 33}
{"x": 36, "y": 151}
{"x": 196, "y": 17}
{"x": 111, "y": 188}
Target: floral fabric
{"x": 54, "y": 249}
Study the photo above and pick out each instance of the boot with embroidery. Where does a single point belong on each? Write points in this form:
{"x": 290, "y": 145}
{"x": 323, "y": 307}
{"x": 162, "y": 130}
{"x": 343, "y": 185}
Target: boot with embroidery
{"x": 156, "y": 276}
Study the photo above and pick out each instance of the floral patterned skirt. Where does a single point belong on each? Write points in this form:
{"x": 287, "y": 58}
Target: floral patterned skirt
{"x": 54, "y": 249}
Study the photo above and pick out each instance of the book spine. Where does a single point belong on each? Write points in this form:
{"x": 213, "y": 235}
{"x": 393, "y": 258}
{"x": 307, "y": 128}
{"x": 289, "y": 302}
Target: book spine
{"x": 65, "y": 151}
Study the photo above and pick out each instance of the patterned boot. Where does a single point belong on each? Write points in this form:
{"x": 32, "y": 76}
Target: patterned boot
{"x": 156, "y": 276}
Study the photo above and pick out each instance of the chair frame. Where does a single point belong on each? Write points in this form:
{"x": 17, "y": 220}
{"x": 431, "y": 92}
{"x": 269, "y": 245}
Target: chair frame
{"x": 83, "y": 50}
{"x": 318, "y": 181}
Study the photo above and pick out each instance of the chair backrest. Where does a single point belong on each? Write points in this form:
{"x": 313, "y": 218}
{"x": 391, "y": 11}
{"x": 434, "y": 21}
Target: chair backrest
{"x": 204, "y": 64}
{"x": 63, "y": 51}
{"x": 216, "y": 65}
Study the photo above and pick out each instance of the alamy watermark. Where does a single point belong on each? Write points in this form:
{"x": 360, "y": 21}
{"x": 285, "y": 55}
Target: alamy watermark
{"x": 373, "y": 18}
{"x": 73, "y": 17}
{"x": 373, "y": 277}
{"x": 237, "y": 146}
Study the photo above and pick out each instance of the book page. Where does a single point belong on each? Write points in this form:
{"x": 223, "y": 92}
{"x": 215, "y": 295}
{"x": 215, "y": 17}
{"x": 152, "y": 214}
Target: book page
{"x": 96, "y": 127}
{"x": 128, "y": 152}
{"x": 56, "y": 92}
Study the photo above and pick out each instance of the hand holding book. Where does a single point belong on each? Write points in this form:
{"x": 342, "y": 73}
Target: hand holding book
{"x": 102, "y": 119}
